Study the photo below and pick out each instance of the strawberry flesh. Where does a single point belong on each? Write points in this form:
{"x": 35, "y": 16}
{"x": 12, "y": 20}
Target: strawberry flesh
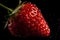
{"x": 29, "y": 21}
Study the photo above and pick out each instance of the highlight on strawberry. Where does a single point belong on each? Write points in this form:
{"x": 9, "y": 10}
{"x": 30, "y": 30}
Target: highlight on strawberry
{"x": 27, "y": 20}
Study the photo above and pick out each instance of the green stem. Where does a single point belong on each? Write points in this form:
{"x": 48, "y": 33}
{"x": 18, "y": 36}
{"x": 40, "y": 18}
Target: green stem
{"x": 16, "y": 9}
{"x": 6, "y": 7}
{"x": 12, "y": 11}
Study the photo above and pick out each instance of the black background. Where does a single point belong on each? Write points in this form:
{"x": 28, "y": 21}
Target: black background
{"x": 50, "y": 11}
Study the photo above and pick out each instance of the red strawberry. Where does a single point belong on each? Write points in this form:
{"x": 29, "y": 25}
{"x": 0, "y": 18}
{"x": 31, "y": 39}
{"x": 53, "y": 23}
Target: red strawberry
{"x": 28, "y": 21}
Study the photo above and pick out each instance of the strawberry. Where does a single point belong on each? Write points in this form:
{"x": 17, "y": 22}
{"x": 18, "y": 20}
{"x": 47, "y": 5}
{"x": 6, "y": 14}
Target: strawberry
{"x": 28, "y": 21}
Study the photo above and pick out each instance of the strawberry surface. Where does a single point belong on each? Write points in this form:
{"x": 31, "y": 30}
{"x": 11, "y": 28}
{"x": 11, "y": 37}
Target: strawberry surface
{"x": 28, "y": 21}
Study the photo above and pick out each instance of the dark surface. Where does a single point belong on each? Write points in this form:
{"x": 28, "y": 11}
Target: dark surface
{"x": 49, "y": 10}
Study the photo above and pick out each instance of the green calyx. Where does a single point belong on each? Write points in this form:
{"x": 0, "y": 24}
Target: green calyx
{"x": 11, "y": 12}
